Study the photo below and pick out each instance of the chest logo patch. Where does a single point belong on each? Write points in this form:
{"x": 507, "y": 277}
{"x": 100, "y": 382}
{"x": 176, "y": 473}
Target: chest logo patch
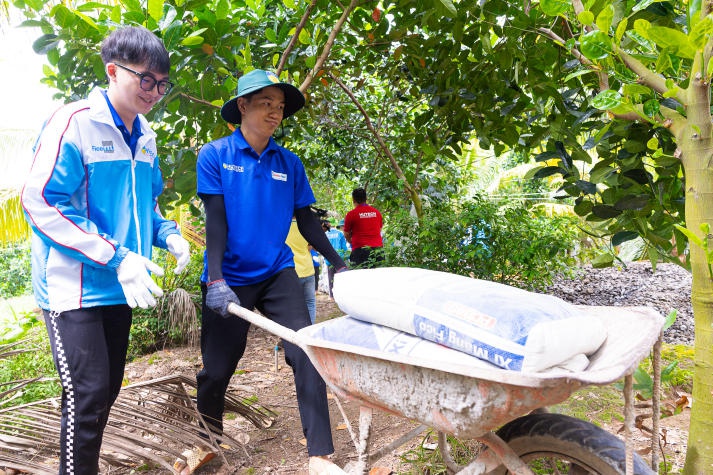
{"x": 233, "y": 168}
{"x": 279, "y": 176}
{"x": 107, "y": 146}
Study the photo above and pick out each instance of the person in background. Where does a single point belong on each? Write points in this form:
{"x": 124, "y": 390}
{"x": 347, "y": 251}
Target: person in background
{"x": 303, "y": 266}
{"x": 91, "y": 200}
{"x": 339, "y": 243}
{"x": 251, "y": 187}
{"x": 362, "y": 229}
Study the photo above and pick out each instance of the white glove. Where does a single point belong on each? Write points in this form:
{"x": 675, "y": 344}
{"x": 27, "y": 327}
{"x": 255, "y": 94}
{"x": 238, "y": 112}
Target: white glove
{"x": 138, "y": 286}
{"x": 180, "y": 249}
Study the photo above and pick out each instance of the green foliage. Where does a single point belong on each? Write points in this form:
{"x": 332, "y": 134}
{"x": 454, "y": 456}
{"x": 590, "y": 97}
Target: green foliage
{"x": 16, "y": 327}
{"x": 34, "y": 361}
{"x": 426, "y": 458}
{"x": 172, "y": 321}
{"x": 15, "y": 271}
{"x": 500, "y": 242}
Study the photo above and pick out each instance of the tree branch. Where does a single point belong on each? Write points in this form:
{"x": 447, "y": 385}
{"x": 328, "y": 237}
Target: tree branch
{"x": 199, "y": 101}
{"x": 383, "y": 148}
{"x": 328, "y": 45}
{"x": 648, "y": 77}
{"x": 603, "y": 78}
{"x": 293, "y": 40}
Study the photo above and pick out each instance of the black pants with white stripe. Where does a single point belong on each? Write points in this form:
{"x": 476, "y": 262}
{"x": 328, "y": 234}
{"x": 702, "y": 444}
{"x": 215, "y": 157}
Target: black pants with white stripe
{"x": 89, "y": 349}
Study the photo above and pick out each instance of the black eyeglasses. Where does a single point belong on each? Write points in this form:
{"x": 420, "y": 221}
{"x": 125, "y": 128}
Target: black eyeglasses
{"x": 148, "y": 82}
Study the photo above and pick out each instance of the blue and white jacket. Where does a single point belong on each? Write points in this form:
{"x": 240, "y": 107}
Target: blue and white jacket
{"x": 89, "y": 202}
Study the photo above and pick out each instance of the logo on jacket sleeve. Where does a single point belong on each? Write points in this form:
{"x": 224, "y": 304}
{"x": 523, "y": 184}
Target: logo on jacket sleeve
{"x": 279, "y": 176}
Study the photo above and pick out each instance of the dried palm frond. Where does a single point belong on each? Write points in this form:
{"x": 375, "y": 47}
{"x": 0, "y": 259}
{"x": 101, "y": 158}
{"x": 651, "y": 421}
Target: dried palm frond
{"x": 182, "y": 316}
{"x": 151, "y": 422}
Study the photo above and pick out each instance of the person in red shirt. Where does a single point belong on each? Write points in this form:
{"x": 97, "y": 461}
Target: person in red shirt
{"x": 362, "y": 228}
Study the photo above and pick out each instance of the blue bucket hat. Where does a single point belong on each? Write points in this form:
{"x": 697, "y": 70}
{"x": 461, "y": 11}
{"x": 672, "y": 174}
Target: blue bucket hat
{"x": 254, "y": 81}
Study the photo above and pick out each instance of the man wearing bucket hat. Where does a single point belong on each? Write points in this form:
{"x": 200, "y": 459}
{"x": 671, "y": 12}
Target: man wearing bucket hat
{"x": 250, "y": 188}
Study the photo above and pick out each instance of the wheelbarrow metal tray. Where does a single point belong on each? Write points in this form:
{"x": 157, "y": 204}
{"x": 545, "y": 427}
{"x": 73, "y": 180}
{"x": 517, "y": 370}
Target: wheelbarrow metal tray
{"x": 468, "y": 401}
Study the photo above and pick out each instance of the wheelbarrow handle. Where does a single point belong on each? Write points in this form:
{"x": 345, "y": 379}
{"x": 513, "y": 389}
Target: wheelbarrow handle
{"x": 266, "y": 324}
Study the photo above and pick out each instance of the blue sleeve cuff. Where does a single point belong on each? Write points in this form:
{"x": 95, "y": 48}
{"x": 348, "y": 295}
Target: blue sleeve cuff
{"x": 119, "y": 256}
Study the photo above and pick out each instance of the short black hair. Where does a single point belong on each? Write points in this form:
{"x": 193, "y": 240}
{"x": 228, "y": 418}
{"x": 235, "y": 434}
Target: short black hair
{"x": 136, "y": 45}
{"x": 359, "y": 195}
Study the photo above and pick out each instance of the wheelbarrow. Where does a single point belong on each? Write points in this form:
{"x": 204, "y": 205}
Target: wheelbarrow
{"x": 497, "y": 407}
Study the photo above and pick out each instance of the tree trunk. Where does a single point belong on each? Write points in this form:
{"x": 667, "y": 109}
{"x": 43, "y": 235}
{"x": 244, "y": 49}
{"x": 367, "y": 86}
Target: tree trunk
{"x": 699, "y": 209}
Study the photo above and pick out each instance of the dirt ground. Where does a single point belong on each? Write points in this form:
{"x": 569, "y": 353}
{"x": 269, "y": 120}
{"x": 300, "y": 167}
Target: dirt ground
{"x": 280, "y": 449}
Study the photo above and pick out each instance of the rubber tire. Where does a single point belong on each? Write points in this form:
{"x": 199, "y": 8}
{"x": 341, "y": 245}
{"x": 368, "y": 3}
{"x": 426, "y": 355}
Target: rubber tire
{"x": 555, "y": 435}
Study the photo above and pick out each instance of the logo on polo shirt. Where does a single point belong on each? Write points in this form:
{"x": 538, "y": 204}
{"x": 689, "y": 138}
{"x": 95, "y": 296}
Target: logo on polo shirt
{"x": 369, "y": 214}
{"x": 107, "y": 146}
{"x": 233, "y": 168}
{"x": 279, "y": 176}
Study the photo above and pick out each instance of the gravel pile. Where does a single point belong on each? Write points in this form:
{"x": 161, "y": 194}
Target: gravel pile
{"x": 667, "y": 289}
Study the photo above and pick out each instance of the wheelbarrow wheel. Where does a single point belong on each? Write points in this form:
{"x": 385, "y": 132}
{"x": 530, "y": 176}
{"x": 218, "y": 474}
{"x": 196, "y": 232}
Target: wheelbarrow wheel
{"x": 554, "y": 443}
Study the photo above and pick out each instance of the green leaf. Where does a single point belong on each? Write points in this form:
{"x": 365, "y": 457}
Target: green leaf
{"x": 652, "y": 107}
{"x": 605, "y": 18}
{"x": 116, "y": 14}
{"x": 583, "y": 208}
{"x": 448, "y": 4}
{"x": 549, "y": 171}
{"x": 642, "y": 27}
{"x": 88, "y": 20}
{"x": 596, "y": 45}
{"x": 643, "y": 5}
{"x": 588, "y": 188}
{"x": 270, "y": 35}
{"x": 701, "y": 32}
{"x": 690, "y": 235}
{"x": 155, "y": 9}
{"x": 621, "y": 29}
{"x": 554, "y": 7}
{"x": 623, "y": 236}
{"x": 608, "y": 99}
{"x": 45, "y": 43}
{"x": 605, "y": 211}
{"x": 663, "y": 62}
{"x": 633, "y": 202}
{"x": 602, "y": 260}
{"x": 222, "y": 10}
{"x": 673, "y": 40}
{"x": 63, "y": 16}
{"x": 290, "y": 4}
{"x": 586, "y": 17}
{"x": 670, "y": 319}
{"x": 578, "y": 73}
{"x": 304, "y": 36}
{"x": 192, "y": 41}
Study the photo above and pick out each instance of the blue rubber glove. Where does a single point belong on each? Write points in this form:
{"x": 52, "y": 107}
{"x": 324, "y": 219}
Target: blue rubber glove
{"x": 219, "y": 296}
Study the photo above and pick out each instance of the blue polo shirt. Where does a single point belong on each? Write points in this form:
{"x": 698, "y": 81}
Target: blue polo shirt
{"x": 261, "y": 194}
{"x": 132, "y": 138}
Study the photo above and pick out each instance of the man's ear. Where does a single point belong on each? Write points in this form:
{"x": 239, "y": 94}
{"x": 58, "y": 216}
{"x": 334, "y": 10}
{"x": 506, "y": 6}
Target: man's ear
{"x": 241, "y": 105}
{"x": 110, "y": 69}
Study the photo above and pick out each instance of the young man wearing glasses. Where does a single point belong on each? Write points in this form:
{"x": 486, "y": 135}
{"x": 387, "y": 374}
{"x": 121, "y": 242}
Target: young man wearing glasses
{"x": 91, "y": 199}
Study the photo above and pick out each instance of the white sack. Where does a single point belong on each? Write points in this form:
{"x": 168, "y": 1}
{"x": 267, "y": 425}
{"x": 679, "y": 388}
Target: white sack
{"x": 367, "y": 335}
{"x": 509, "y": 327}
